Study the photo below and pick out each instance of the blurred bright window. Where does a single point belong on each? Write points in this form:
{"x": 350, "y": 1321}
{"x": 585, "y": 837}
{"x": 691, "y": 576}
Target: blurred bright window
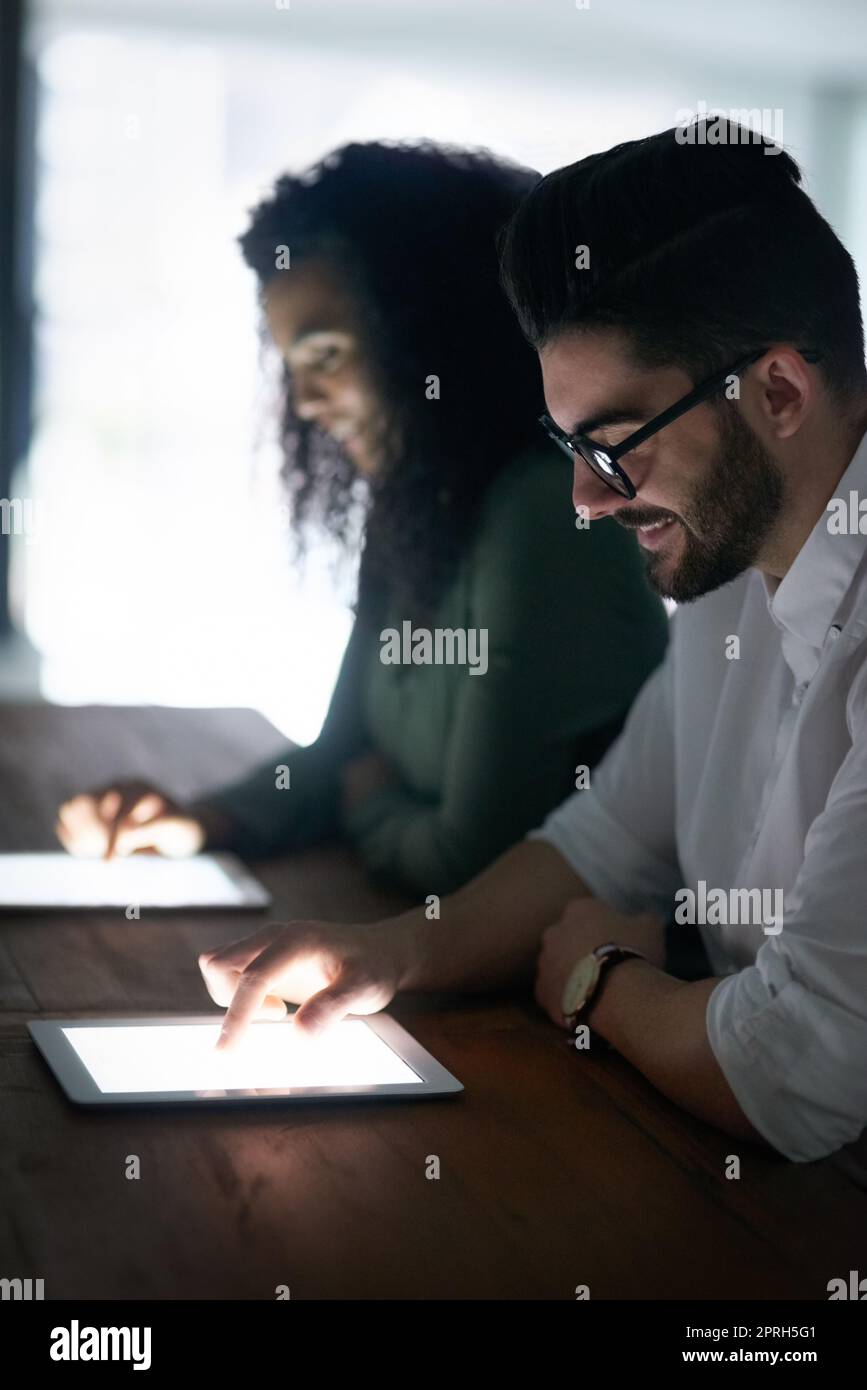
{"x": 159, "y": 571}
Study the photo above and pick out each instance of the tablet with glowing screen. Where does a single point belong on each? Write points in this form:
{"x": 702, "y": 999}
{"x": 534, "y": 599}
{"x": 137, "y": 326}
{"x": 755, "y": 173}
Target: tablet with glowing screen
{"x": 164, "y": 1060}
{"x": 41, "y": 882}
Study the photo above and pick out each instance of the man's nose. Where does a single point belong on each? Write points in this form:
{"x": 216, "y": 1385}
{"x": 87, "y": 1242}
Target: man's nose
{"x": 591, "y": 493}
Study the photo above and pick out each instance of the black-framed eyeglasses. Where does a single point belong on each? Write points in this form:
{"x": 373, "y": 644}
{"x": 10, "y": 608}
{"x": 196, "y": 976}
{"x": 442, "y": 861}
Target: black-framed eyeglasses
{"x": 604, "y": 462}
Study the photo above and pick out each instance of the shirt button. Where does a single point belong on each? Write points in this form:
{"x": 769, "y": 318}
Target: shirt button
{"x": 833, "y": 632}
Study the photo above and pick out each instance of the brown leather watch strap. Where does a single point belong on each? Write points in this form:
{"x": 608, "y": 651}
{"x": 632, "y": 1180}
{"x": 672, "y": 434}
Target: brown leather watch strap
{"x": 606, "y": 963}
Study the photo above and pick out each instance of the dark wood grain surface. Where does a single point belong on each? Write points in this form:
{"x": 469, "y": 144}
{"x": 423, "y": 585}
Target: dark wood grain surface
{"x": 556, "y": 1170}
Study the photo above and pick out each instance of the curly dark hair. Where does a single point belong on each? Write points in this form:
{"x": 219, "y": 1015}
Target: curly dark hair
{"x": 414, "y": 228}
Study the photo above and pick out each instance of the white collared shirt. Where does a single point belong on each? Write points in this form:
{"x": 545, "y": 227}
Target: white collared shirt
{"x": 750, "y": 771}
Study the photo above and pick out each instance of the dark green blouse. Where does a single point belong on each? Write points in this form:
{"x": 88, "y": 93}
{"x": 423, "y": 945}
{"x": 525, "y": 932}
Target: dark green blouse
{"x": 573, "y": 632}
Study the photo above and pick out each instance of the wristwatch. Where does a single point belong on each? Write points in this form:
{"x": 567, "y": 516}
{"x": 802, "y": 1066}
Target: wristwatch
{"x": 583, "y": 983}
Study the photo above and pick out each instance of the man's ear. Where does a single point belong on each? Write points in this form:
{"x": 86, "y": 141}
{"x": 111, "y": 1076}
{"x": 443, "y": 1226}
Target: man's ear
{"x": 785, "y": 391}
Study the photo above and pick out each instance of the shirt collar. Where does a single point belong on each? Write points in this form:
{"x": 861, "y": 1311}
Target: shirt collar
{"x": 805, "y": 602}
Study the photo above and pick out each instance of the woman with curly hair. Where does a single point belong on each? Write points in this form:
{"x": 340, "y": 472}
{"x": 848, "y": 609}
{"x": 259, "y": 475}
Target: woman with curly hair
{"x": 411, "y": 394}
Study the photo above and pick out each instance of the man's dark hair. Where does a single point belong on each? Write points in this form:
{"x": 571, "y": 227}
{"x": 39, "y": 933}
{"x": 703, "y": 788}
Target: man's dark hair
{"x": 698, "y": 252}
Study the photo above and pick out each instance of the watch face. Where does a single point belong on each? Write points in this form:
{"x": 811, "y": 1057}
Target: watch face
{"x": 580, "y": 984}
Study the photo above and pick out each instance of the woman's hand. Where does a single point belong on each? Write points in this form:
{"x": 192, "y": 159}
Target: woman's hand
{"x": 126, "y": 817}
{"x": 329, "y": 970}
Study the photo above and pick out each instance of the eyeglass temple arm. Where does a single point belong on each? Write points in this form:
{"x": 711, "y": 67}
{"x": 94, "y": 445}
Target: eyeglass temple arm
{"x": 695, "y": 397}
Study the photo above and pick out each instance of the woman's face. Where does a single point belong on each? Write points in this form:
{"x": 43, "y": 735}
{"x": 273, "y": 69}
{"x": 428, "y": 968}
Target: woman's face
{"x": 314, "y": 321}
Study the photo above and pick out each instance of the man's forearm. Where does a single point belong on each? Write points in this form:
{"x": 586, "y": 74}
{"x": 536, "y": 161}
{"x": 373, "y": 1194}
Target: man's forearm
{"x": 658, "y": 1024}
{"x": 488, "y": 932}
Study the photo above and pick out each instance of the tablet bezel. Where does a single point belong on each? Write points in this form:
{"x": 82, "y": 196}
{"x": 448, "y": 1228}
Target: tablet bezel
{"x": 256, "y": 896}
{"x": 81, "y": 1088}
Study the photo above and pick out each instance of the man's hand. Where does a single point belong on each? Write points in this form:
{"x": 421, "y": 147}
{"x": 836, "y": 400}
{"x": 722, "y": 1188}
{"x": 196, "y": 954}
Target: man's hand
{"x": 656, "y": 1022}
{"x": 585, "y": 924}
{"x": 362, "y": 777}
{"x": 487, "y": 939}
{"x": 329, "y": 970}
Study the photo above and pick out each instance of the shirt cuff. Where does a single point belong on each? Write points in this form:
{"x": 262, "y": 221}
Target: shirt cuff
{"x": 607, "y": 857}
{"x": 793, "y": 1059}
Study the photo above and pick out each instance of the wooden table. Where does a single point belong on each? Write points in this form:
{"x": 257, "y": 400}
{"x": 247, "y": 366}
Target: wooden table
{"x": 556, "y": 1170}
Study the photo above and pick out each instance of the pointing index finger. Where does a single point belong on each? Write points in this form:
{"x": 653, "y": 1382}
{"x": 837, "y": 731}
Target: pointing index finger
{"x": 246, "y": 1002}
{"x": 256, "y": 974}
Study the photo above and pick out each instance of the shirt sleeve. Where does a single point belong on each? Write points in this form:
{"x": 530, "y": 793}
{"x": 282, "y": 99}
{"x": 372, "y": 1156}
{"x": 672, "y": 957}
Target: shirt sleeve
{"x": 573, "y": 631}
{"x": 619, "y": 833}
{"x": 262, "y": 816}
{"x": 790, "y": 1031}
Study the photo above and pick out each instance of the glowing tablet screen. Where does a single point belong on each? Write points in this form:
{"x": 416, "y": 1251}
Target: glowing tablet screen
{"x": 60, "y": 880}
{"x": 270, "y": 1056}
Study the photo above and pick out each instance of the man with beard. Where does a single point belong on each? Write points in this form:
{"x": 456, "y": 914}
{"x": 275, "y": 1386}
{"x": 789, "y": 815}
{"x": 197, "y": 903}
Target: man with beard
{"x": 704, "y": 373}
